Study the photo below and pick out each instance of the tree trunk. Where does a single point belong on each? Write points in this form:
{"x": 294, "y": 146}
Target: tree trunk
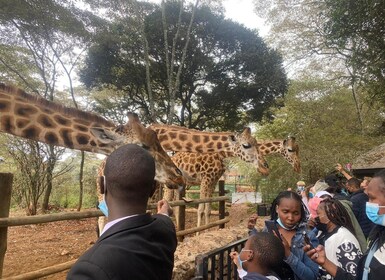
{"x": 81, "y": 187}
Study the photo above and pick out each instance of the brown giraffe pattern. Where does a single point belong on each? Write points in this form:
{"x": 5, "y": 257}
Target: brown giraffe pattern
{"x": 180, "y": 139}
{"x": 206, "y": 169}
{"x": 32, "y": 117}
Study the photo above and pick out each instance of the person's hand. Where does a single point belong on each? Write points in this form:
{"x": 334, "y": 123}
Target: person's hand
{"x": 234, "y": 256}
{"x": 164, "y": 208}
{"x": 317, "y": 255}
{"x": 286, "y": 245}
{"x": 252, "y": 221}
{"x": 339, "y": 167}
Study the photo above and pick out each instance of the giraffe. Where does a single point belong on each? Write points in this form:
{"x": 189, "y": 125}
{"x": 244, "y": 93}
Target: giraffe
{"x": 32, "y": 117}
{"x": 181, "y": 139}
{"x": 206, "y": 169}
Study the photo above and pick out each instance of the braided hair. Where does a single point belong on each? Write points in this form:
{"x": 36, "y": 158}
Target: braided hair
{"x": 337, "y": 213}
{"x": 290, "y": 195}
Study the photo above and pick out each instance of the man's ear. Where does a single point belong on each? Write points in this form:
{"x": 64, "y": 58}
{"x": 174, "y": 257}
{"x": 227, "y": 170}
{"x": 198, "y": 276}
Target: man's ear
{"x": 154, "y": 185}
{"x": 101, "y": 184}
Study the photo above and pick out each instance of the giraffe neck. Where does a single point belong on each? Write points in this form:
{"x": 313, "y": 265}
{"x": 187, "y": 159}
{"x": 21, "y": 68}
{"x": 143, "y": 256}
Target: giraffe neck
{"x": 35, "y": 118}
{"x": 175, "y": 138}
{"x": 270, "y": 147}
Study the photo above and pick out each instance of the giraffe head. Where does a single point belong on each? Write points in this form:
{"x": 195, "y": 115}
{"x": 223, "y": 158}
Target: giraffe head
{"x": 291, "y": 153}
{"x": 166, "y": 171}
{"x": 245, "y": 146}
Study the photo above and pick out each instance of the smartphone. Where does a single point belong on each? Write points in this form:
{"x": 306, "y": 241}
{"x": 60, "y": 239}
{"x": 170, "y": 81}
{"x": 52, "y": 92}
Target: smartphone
{"x": 307, "y": 240}
{"x": 272, "y": 228}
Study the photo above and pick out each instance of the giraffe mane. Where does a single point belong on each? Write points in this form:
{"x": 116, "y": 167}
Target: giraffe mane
{"x": 56, "y": 107}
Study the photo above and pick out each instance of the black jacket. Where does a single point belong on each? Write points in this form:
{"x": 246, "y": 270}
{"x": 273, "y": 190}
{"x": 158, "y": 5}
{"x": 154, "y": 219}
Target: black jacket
{"x": 140, "y": 247}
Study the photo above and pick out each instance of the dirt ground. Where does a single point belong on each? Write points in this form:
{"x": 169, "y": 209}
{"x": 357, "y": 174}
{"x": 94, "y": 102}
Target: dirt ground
{"x": 34, "y": 247}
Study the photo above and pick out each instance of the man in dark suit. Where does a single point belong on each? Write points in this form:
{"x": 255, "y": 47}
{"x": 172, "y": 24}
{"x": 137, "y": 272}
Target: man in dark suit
{"x": 134, "y": 244}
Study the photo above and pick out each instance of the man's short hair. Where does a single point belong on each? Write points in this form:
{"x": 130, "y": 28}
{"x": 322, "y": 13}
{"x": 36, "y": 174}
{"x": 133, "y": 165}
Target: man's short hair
{"x": 268, "y": 249}
{"x": 129, "y": 172}
{"x": 354, "y": 183}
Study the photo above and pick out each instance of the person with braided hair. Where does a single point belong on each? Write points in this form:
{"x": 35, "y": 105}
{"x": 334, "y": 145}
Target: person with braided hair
{"x": 339, "y": 246}
{"x": 289, "y": 217}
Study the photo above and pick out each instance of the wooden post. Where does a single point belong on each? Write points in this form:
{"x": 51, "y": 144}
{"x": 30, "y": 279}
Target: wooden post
{"x": 5, "y": 202}
{"x": 222, "y": 208}
{"x": 181, "y": 214}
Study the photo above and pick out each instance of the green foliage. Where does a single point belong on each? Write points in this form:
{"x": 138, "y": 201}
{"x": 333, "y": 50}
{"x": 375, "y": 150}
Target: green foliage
{"x": 321, "y": 117}
{"x": 230, "y": 76}
{"x": 359, "y": 27}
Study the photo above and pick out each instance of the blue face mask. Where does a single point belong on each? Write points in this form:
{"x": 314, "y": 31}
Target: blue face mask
{"x": 103, "y": 207}
{"x": 282, "y": 226}
{"x": 311, "y": 195}
{"x": 241, "y": 262}
{"x": 372, "y": 213}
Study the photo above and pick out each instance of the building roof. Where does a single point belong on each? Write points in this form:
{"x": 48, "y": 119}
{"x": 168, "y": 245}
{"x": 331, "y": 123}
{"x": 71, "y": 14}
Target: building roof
{"x": 373, "y": 159}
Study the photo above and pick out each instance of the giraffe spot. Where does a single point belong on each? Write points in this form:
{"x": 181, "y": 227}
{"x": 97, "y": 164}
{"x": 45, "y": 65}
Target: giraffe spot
{"x": 219, "y": 145}
{"x": 81, "y": 128}
{"x": 196, "y": 138}
{"x": 269, "y": 144}
{"x": 6, "y": 124}
{"x": 206, "y": 138}
{"x": 82, "y": 139}
{"x": 31, "y": 132}
{"x": 61, "y": 120}
{"x": 46, "y": 121}
{"x": 173, "y": 135}
{"x": 47, "y": 111}
{"x": 215, "y": 137}
{"x": 4, "y": 106}
{"x": 92, "y": 143}
{"x": 189, "y": 146}
{"x": 65, "y": 134}
{"x": 199, "y": 149}
{"x": 210, "y": 145}
{"x": 51, "y": 138}
{"x": 25, "y": 111}
{"x": 185, "y": 160}
{"x": 224, "y": 138}
{"x": 182, "y": 137}
{"x": 21, "y": 123}
{"x": 177, "y": 145}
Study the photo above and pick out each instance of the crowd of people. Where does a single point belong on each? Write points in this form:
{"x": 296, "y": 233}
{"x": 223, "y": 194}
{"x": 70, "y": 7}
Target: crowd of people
{"x": 320, "y": 231}
{"x": 332, "y": 229}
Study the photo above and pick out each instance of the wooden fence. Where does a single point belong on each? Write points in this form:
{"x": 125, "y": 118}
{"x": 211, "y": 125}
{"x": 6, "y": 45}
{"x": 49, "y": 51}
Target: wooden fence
{"x": 6, "y": 221}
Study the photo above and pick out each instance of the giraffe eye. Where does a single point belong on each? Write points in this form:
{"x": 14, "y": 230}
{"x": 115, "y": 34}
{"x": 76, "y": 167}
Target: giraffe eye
{"x": 246, "y": 146}
{"x": 290, "y": 150}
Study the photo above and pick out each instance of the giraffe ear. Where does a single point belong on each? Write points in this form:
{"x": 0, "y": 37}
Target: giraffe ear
{"x": 106, "y": 136}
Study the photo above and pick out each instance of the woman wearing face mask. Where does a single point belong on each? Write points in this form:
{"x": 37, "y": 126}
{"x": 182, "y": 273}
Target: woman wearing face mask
{"x": 372, "y": 265}
{"x": 289, "y": 216}
{"x": 340, "y": 246}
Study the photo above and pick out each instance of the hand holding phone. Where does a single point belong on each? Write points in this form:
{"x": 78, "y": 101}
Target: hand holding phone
{"x": 272, "y": 228}
{"x": 307, "y": 240}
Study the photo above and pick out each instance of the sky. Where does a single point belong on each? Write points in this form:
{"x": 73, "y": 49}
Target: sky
{"x": 242, "y": 11}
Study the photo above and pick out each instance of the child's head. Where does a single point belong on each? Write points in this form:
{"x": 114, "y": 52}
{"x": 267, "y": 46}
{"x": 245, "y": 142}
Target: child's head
{"x": 264, "y": 252}
{"x": 288, "y": 207}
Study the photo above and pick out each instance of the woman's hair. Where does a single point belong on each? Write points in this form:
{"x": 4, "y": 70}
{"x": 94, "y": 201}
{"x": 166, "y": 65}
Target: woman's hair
{"x": 337, "y": 213}
{"x": 290, "y": 195}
